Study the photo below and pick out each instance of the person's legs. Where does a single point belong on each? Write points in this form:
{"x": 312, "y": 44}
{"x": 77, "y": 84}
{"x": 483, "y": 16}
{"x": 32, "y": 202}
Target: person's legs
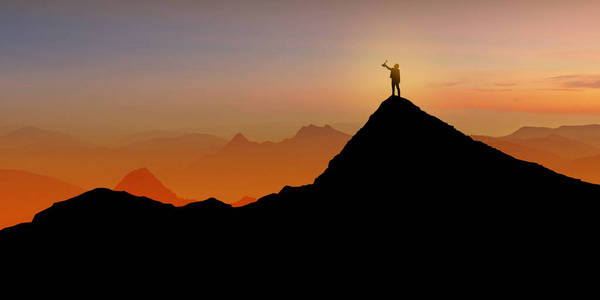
{"x": 395, "y": 86}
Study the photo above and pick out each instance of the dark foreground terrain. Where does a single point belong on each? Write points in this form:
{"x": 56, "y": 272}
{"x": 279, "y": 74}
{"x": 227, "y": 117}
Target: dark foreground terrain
{"x": 407, "y": 189}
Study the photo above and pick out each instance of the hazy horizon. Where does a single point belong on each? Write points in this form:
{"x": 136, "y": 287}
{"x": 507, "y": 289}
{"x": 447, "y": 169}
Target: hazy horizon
{"x": 104, "y": 69}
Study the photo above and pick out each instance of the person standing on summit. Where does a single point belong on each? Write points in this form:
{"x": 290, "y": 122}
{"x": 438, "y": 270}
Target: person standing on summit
{"x": 395, "y": 76}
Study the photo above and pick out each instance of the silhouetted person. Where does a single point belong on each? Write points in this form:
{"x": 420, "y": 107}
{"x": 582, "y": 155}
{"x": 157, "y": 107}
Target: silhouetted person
{"x": 395, "y": 76}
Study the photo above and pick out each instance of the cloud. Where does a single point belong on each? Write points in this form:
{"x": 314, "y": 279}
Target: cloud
{"x": 491, "y": 90}
{"x": 583, "y": 84}
{"x": 446, "y": 84}
{"x": 561, "y": 77}
{"x": 505, "y": 84}
{"x": 577, "y": 81}
{"x": 560, "y": 90}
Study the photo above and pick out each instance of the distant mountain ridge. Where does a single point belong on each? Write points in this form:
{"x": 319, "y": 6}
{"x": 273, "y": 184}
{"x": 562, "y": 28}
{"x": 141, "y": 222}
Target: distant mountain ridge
{"x": 141, "y": 182}
{"x": 23, "y": 193}
{"x": 589, "y": 134}
{"x": 247, "y": 168}
{"x": 33, "y": 136}
{"x": 382, "y": 179}
{"x": 407, "y": 194}
{"x": 571, "y": 150}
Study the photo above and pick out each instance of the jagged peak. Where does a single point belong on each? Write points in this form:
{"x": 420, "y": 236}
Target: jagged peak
{"x": 312, "y": 130}
{"x": 238, "y": 141}
{"x": 141, "y": 172}
{"x": 141, "y": 182}
{"x": 403, "y": 164}
{"x": 239, "y": 138}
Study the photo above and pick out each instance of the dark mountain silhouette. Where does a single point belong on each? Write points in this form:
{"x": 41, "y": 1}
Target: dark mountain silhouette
{"x": 23, "y": 193}
{"x": 142, "y": 182}
{"x": 407, "y": 191}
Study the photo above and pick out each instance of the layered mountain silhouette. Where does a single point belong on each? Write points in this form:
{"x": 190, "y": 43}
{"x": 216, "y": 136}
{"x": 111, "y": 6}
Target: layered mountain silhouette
{"x": 142, "y": 182}
{"x": 24, "y": 193}
{"x": 522, "y": 150}
{"x": 406, "y": 179}
{"x": 177, "y": 157}
{"x": 570, "y": 150}
{"x": 565, "y": 147}
{"x": 37, "y": 137}
{"x": 246, "y": 168}
{"x": 589, "y": 134}
{"x": 172, "y": 152}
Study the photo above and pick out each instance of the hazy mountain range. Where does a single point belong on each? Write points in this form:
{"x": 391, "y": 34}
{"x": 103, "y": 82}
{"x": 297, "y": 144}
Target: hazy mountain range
{"x": 22, "y": 193}
{"x": 200, "y": 165}
{"x": 245, "y": 168}
{"x": 236, "y": 171}
{"x": 571, "y": 150}
{"x": 406, "y": 181}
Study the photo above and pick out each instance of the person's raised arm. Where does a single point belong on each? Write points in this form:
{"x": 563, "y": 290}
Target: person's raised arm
{"x": 386, "y": 66}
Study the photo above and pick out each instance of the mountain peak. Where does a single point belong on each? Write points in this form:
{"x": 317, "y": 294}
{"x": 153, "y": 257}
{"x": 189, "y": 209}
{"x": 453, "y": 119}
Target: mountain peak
{"x": 239, "y": 138}
{"x": 422, "y": 151}
{"x": 313, "y": 130}
{"x": 141, "y": 172}
{"x": 141, "y": 182}
{"x": 527, "y": 132}
{"x": 404, "y": 171}
{"x": 238, "y": 142}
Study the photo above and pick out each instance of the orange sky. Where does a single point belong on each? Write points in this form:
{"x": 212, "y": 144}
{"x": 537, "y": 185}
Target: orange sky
{"x": 104, "y": 69}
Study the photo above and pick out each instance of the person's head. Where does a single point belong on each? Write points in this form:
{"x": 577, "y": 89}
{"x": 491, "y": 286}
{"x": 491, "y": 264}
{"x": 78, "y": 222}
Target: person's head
{"x": 396, "y": 66}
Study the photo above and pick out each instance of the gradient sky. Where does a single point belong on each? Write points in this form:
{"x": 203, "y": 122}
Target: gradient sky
{"x": 108, "y": 68}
